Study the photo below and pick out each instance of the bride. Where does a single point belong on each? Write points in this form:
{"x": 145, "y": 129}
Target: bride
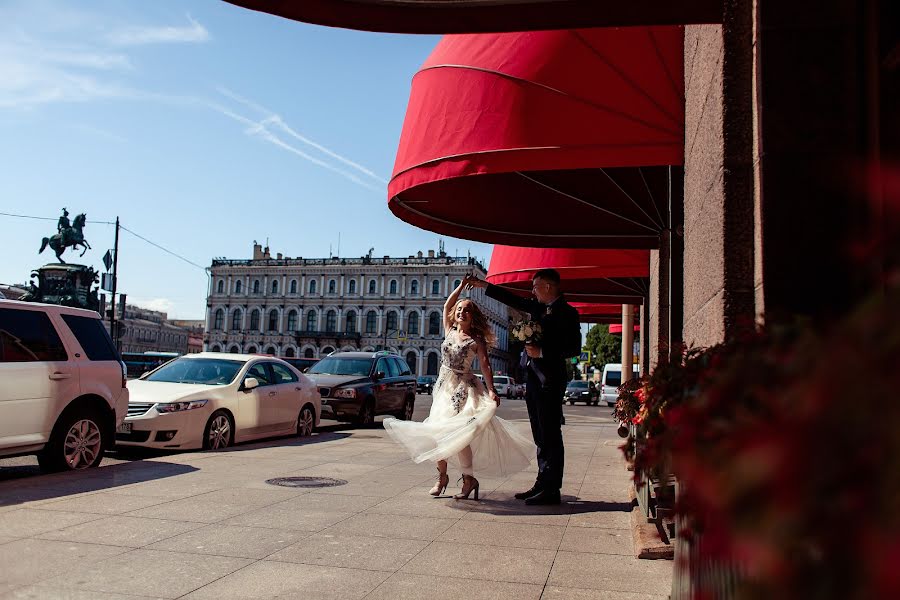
{"x": 461, "y": 426}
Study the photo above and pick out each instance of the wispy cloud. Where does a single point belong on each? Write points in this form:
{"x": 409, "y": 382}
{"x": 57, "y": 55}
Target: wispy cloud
{"x": 270, "y": 120}
{"x": 138, "y": 36}
{"x": 161, "y": 304}
{"x": 99, "y": 133}
{"x": 259, "y": 130}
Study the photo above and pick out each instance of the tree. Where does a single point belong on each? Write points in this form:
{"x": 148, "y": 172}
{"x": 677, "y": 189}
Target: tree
{"x": 605, "y": 347}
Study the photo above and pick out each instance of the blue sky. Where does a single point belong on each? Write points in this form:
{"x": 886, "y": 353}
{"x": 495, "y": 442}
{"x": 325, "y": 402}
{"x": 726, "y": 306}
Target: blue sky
{"x": 204, "y": 127}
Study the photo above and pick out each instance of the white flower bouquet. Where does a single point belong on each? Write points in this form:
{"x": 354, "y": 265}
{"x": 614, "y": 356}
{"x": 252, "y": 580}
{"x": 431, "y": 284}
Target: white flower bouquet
{"x": 529, "y": 332}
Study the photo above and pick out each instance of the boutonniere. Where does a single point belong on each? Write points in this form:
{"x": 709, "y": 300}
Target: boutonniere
{"x": 549, "y": 310}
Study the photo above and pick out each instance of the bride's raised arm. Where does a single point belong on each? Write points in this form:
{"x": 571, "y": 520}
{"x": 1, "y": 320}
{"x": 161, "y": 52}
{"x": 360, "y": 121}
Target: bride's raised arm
{"x": 450, "y": 304}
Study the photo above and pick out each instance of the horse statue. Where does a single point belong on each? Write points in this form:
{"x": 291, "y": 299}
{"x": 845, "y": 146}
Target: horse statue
{"x": 68, "y": 237}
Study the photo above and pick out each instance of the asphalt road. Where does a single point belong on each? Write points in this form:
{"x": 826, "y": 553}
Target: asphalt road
{"x": 26, "y": 466}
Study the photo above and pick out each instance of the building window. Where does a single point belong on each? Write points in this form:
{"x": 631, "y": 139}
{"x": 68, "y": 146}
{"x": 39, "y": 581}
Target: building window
{"x": 411, "y": 361}
{"x": 393, "y": 286}
{"x": 372, "y": 286}
{"x": 432, "y": 368}
{"x": 392, "y": 321}
{"x": 435, "y": 287}
{"x": 327, "y": 350}
{"x": 456, "y": 283}
{"x": 414, "y": 288}
{"x": 413, "y": 327}
{"x": 238, "y": 286}
{"x": 331, "y": 321}
{"x": 292, "y": 321}
{"x": 236, "y": 320}
{"x": 275, "y": 287}
{"x": 293, "y": 286}
{"x": 332, "y": 286}
{"x": 216, "y": 348}
{"x": 434, "y": 325}
{"x": 271, "y": 350}
{"x": 289, "y": 352}
{"x": 256, "y": 286}
{"x": 351, "y": 321}
{"x": 220, "y": 287}
{"x": 219, "y": 320}
{"x": 254, "y": 320}
{"x": 311, "y": 320}
{"x": 308, "y": 353}
{"x": 251, "y": 350}
{"x": 370, "y": 321}
{"x": 351, "y": 289}
{"x": 235, "y": 350}
{"x": 312, "y": 286}
{"x": 273, "y": 320}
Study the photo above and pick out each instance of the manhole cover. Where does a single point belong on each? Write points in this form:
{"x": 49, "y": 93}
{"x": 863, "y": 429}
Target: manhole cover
{"x": 306, "y": 482}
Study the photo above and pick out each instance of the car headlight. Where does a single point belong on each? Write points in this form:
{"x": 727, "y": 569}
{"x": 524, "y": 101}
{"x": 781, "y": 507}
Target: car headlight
{"x": 344, "y": 393}
{"x": 170, "y": 407}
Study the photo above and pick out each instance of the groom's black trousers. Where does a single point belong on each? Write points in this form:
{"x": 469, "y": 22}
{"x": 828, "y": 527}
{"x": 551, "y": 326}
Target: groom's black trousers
{"x": 545, "y": 413}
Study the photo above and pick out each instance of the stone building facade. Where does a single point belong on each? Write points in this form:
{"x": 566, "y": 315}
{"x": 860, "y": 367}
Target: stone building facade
{"x": 148, "y": 330}
{"x": 310, "y": 307}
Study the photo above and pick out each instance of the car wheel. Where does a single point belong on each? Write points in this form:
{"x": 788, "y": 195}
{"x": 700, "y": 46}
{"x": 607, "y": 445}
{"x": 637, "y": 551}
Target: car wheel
{"x": 305, "y": 422}
{"x": 367, "y": 413}
{"x": 571, "y": 402}
{"x": 76, "y": 442}
{"x": 219, "y": 431}
{"x": 408, "y": 407}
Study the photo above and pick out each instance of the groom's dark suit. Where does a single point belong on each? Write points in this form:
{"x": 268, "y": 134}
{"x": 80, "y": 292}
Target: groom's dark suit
{"x": 547, "y": 378}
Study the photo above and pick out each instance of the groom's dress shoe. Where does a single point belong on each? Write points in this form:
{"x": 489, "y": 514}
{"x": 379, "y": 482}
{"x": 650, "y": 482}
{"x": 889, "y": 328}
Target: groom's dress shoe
{"x": 544, "y": 497}
{"x": 523, "y": 495}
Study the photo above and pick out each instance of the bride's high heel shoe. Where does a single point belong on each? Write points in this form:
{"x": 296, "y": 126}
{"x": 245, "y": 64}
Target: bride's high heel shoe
{"x": 441, "y": 486}
{"x": 470, "y": 484}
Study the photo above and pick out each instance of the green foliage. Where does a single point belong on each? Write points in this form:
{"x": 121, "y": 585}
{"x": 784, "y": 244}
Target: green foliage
{"x": 605, "y": 347}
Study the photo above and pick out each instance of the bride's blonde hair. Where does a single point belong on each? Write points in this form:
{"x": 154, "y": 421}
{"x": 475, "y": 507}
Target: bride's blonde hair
{"x": 481, "y": 329}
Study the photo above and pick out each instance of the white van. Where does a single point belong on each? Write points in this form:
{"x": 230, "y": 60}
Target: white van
{"x": 62, "y": 385}
{"x": 611, "y": 380}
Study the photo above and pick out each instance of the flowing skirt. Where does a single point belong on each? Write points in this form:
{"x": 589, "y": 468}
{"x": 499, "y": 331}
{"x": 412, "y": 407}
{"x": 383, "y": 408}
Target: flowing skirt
{"x": 462, "y": 414}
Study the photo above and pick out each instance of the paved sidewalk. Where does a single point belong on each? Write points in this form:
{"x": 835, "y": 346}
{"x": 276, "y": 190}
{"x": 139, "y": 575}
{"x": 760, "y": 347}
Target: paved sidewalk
{"x": 206, "y": 525}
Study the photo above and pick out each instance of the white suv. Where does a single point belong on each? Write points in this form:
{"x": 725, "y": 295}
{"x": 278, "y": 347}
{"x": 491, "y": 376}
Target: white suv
{"x": 62, "y": 385}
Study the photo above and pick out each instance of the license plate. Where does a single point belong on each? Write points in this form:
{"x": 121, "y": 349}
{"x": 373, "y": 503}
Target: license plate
{"x": 124, "y": 428}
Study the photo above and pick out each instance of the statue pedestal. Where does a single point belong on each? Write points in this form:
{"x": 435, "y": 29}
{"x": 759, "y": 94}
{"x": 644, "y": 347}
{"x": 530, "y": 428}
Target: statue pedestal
{"x": 65, "y": 284}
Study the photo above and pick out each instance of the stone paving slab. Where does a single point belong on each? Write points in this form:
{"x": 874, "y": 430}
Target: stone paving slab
{"x": 206, "y": 525}
{"x": 267, "y": 579}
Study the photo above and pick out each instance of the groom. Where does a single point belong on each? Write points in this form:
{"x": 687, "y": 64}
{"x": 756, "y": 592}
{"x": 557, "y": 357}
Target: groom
{"x": 545, "y": 364}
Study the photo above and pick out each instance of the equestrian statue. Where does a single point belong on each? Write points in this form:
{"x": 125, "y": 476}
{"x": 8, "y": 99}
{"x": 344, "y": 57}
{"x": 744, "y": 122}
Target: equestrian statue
{"x": 68, "y": 236}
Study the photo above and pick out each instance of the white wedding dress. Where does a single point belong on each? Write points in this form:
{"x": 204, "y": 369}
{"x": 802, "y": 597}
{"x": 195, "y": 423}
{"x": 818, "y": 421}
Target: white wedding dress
{"x": 462, "y": 414}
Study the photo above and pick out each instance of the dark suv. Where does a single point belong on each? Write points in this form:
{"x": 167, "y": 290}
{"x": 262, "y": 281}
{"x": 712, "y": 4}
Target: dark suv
{"x": 357, "y": 386}
{"x": 425, "y": 384}
{"x": 301, "y": 364}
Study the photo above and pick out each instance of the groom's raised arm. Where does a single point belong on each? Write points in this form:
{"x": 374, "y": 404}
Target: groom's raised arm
{"x": 510, "y": 299}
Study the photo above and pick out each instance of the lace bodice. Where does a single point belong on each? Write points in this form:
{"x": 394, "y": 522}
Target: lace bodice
{"x": 458, "y": 352}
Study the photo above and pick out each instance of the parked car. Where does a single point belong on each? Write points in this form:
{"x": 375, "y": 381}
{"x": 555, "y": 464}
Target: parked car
{"x": 212, "y": 400}
{"x": 301, "y": 364}
{"x": 507, "y": 387}
{"x": 580, "y": 391}
{"x": 425, "y": 384}
{"x": 62, "y": 385}
{"x": 357, "y": 386}
{"x": 610, "y": 381}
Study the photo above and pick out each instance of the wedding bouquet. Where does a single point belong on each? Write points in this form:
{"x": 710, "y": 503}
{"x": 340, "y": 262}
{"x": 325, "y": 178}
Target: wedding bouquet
{"x": 529, "y": 332}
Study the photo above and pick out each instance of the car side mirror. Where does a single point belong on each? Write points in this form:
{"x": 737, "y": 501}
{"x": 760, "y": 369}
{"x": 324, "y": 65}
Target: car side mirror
{"x": 304, "y": 370}
{"x": 250, "y": 383}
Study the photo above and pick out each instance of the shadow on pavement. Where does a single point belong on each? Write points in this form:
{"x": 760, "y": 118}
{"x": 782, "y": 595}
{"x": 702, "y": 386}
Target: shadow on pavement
{"x": 59, "y": 485}
{"x": 506, "y": 504}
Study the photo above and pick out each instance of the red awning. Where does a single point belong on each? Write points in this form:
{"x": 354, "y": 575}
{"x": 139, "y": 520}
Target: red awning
{"x": 473, "y": 16}
{"x": 616, "y": 329}
{"x": 601, "y": 313}
{"x": 544, "y": 139}
{"x": 588, "y": 275}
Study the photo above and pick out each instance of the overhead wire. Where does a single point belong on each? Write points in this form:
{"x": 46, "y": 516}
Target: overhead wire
{"x": 137, "y": 235}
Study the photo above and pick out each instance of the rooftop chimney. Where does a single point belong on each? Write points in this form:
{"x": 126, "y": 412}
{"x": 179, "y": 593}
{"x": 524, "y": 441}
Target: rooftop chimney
{"x": 257, "y": 251}
{"x": 431, "y": 254}
{"x": 278, "y": 256}
{"x": 419, "y": 254}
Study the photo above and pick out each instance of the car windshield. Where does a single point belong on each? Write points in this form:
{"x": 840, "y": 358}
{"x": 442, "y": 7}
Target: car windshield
{"x": 334, "y": 365}
{"x": 614, "y": 378}
{"x": 578, "y": 384}
{"x": 206, "y": 371}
